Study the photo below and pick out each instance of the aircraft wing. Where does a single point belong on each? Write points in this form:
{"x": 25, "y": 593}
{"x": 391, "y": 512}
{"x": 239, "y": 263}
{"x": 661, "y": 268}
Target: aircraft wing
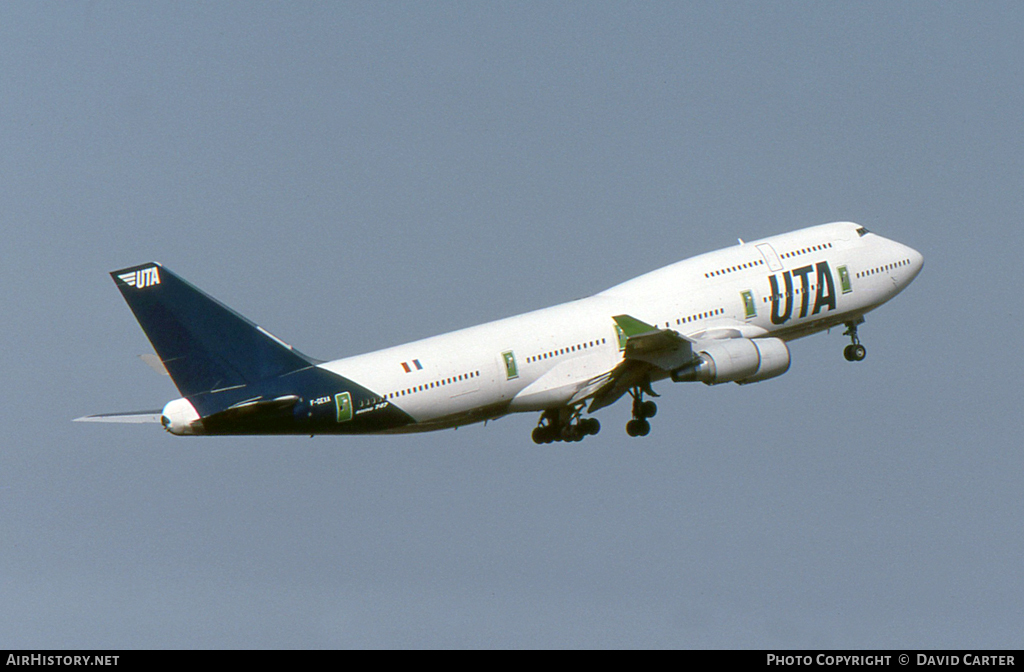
{"x": 647, "y": 348}
{"x": 662, "y": 348}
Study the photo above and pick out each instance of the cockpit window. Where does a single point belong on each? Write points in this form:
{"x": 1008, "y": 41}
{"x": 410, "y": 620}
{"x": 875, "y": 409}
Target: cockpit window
{"x": 861, "y": 231}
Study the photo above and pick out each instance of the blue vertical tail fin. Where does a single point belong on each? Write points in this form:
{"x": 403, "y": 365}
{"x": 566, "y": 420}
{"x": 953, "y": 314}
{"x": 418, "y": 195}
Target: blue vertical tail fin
{"x": 205, "y": 346}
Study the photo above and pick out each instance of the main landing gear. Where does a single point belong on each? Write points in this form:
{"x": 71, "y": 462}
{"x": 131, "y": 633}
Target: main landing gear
{"x": 564, "y": 424}
{"x": 854, "y": 352}
{"x": 642, "y": 410}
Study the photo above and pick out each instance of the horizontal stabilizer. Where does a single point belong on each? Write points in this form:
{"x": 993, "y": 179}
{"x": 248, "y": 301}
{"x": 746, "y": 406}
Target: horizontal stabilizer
{"x": 138, "y": 417}
{"x": 154, "y": 363}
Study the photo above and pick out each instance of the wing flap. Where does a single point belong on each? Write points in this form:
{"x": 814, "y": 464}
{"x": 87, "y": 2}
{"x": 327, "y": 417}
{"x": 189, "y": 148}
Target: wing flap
{"x": 628, "y": 374}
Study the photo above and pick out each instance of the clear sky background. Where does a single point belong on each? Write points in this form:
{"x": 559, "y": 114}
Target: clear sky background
{"x": 357, "y": 175}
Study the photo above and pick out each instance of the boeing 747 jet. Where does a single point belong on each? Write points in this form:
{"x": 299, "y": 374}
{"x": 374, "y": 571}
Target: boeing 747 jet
{"x": 722, "y": 317}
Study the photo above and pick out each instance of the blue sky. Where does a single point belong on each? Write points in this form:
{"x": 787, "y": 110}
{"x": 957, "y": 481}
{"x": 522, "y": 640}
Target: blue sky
{"x": 356, "y": 175}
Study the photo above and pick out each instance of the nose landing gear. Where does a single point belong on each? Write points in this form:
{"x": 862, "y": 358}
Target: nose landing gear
{"x": 854, "y": 352}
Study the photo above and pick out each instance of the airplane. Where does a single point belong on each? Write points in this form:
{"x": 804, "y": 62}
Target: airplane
{"x": 723, "y": 316}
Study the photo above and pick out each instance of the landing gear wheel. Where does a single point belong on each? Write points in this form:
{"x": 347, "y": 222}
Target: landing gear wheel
{"x": 638, "y": 428}
{"x": 564, "y": 424}
{"x": 854, "y": 352}
{"x": 642, "y": 410}
{"x": 572, "y": 433}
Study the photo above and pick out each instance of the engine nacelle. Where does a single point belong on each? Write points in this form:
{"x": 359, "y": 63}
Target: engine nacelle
{"x": 737, "y": 360}
{"x": 180, "y": 417}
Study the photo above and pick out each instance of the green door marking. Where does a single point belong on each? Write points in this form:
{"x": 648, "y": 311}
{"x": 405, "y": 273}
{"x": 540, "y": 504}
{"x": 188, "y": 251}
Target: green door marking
{"x": 621, "y": 336}
{"x": 844, "y": 280}
{"x": 511, "y": 370}
{"x": 343, "y": 402}
{"x": 749, "y": 307}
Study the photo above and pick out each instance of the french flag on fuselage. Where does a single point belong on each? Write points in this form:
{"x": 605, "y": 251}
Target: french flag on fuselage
{"x": 415, "y": 363}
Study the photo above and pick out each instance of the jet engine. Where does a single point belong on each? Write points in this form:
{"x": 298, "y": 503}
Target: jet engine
{"x": 736, "y": 360}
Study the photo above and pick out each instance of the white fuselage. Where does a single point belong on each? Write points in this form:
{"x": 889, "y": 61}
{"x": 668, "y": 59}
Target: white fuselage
{"x": 542, "y": 359}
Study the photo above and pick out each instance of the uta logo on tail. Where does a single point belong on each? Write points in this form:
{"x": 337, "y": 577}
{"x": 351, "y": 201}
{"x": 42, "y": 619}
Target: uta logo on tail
{"x": 144, "y": 277}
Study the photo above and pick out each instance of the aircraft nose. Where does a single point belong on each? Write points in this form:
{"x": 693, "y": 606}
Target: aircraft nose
{"x": 916, "y": 260}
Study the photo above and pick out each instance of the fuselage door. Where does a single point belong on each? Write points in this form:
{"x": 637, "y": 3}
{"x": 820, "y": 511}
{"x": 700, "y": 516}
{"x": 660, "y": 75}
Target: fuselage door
{"x": 749, "y": 306}
{"x": 511, "y": 368}
{"x": 770, "y": 257}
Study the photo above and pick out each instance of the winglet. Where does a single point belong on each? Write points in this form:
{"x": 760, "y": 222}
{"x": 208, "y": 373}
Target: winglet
{"x": 632, "y": 327}
{"x": 663, "y": 348}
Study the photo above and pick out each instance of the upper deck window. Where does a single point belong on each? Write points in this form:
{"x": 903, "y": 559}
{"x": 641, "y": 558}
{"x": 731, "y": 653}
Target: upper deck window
{"x": 861, "y": 231}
